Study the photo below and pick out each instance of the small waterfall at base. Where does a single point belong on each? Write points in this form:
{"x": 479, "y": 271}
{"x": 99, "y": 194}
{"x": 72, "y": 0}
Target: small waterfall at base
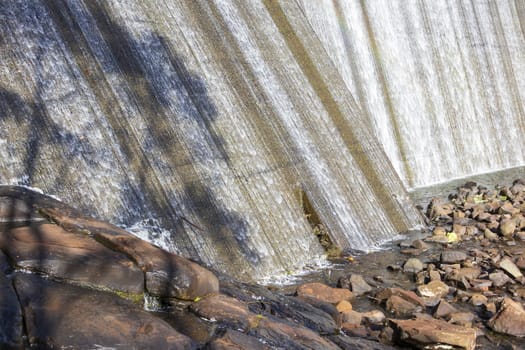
{"x": 440, "y": 81}
{"x": 201, "y": 125}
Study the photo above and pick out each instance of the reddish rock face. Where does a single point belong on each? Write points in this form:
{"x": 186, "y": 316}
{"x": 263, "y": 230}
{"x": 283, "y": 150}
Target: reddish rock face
{"x": 429, "y": 331}
{"x": 167, "y": 275}
{"x": 510, "y": 319}
{"x": 234, "y": 340}
{"x": 227, "y": 310}
{"x": 10, "y": 314}
{"x": 64, "y": 316}
{"x": 70, "y": 256}
{"x": 323, "y": 292}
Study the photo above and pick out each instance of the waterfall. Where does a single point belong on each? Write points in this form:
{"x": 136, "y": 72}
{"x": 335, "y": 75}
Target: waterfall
{"x": 215, "y": 128}
{"x": 439, "y": 81}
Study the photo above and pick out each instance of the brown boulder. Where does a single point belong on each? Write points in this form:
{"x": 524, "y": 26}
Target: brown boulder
{"x": 405, "y": 294}
{"x": 323, "y": 292}
{"x": 234, "y": 340}
{"x": 167, "y": 275}
{"x": 510, "y": 319}
{"x": 10, "y": 314}
{"x": 69, "y": 317}
{"x": 400, "y": 307}
{"x": 70, "y": 256}
{"x": 226, "y": 310}
{"x": 287, "y": 336}
{"x": 424, "y": 332}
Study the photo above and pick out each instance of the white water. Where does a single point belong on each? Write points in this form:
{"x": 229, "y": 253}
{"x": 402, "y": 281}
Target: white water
{"x": 440, "y": 81}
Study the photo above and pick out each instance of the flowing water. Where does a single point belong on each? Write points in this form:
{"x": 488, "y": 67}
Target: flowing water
{"x": 230, "y": 131}
{"x": 440, "y": 81}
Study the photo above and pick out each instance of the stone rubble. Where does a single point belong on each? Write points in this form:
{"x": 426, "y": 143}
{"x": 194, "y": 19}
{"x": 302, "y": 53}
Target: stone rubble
{"x": 458, "y": 287}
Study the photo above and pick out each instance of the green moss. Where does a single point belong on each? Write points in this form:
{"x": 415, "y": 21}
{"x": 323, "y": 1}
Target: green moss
{"x": 135, "y": 298}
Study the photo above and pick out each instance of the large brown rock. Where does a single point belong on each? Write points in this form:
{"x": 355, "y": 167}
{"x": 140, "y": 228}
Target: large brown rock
{"x": 226, "y": 310}
{"x": 317, "y": 316}
{"x": 323, "y": 292}
{"x": 234, "y": 314}
{"x": 287, "y": 336}
{"x": 70, "y": 256}
{"x": 10, "y": 314}
{"x": 234, "y": 340}
{"x": 510, "y": 319}
{"x": 424, "y": 332}
{"x": 63, "y": 316}
{"x": 167, "y": 275}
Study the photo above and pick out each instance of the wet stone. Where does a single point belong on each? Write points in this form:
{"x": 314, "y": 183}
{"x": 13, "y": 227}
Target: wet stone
{"x": 452, "y": 256}
{"x": 413, "y": 265}
{"x": 426, "y": 332}
{"x": 10, "y": 315}
{"x": 69, "y": 317}
{"x": 358, "y": 285}
{"x": 508, "y": 265}
{"x": 434, "y": 289}
{"x": 49, "y": 249}
{"x": 510, "y": 319}
{"x": 323, "y": 292}
{"x": 167, "y": 275}
{"x": 499, "y": 278}
{"x": 444, "y": 309}
{"x": 232, "y": 339}
{"x": 400, "y": 307}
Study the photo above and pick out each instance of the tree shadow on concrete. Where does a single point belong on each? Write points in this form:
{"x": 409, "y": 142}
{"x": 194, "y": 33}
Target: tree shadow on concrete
{"x": 165, "y": 96}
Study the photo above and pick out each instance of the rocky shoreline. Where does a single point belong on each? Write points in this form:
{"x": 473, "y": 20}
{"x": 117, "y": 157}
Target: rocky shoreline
{"x": 70, "y": 281}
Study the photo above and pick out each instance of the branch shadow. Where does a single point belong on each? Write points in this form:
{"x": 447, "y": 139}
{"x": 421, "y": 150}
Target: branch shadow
{"x": 167, "y": 94}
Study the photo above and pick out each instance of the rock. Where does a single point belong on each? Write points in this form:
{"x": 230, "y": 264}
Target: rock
{"x": 234, "y": 340}
{"x": 478, "y": 299}
{"x": 464, "y": 319}
{"x": 400, "y": 307}
{"x": 69, "y": 317}
{"x": 444, "y": 309}
{"x": 452, "y": 256}
{"x": 10, "y": 315}
{"x": 434, "y": 289}
{"x": 507, "y": 227}
{"x": 15, "y": 210}
{"x": 413, "y": 265}
{"x": 409, "y": 296}
{"x": 323, "y": 292}
{"x": 228, "y": 311}
{"x": 328, "y": 308}
{"x": 354, "y": 343}
{"x": 373, "y": 317}
{"x": 434, "y": 275}
{"x": 499, "y": 278}
{"x": 359, "y": 285}
{"x": 285, "y": 336}
{"x": 344, "y": 306}
{"x": 491, "y": 236}
{"x": 439, "y": 231}
{"x": 351, "y": 319}
{"x": 420, "y": 244}
{"x": 508, "y": 208}
{"x": 70, "y": 256}
{"x": 422, "y": 333}
{"x": 510, "y": 319}
{"x": 508, "y": 266}
{"x": 469, "y": 273}
{"x": 167, "y": 275}
{"x": 282, "y": 306}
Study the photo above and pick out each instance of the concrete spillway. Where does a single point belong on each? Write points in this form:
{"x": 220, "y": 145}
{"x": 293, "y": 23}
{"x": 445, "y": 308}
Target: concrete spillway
{"x": 440, "y": 81}
{"x": 221, "y": 127}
